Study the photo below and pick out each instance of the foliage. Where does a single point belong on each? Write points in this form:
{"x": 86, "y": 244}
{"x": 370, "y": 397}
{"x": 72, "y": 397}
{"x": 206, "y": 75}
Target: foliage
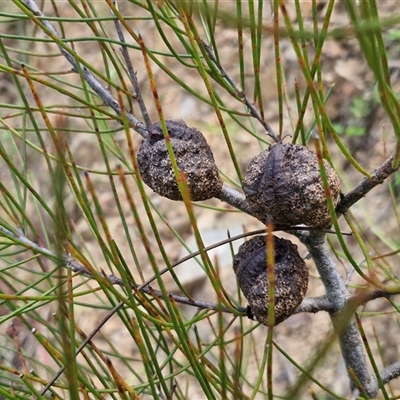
{"x": 88, "y": 252}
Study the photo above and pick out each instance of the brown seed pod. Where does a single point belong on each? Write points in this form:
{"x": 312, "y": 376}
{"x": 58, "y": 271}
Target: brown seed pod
{"x": 193, "y": 156}
{"x": 291, "y": 277}
{"x": 284, "y": 182}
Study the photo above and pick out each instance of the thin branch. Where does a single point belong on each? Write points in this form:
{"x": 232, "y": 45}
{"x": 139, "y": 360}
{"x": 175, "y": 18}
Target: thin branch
{"x": 366, "y": 296}
{"x": 82, "y": 346}
{"x": 76, "y": 267}
{"x": 366, "y": 185}
{"x": 321, "y": 303}
{"x": 131, "y": 72}
{"x": 314, "y": 305}
{"x": 391, "y": 372}
{"x": 239, "y": 93}
{"x": 234, "y": 198}
{"x": 91, "y": 80}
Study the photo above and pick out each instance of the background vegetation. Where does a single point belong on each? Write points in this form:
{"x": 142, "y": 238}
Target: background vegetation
{"x": 91, "y": 303}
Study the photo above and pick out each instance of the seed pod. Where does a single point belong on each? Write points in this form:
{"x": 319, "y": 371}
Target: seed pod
{"x": 193, "y": 156}
{"x": 291, "y": 277}
{"x": 285, "y": 183}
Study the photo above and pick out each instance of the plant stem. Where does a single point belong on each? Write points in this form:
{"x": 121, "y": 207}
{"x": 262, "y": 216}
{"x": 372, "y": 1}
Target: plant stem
{"x": 391, "y": 372}
{"x": 70, "y": 263}
{"x": 240, "y": 94}
{"x": 367, "y": 184}
{"x": 234, "y": 198}
{"x": 342, "y": 315}
{"x": 132, "y": 73}
{"x": 88, "y": 76}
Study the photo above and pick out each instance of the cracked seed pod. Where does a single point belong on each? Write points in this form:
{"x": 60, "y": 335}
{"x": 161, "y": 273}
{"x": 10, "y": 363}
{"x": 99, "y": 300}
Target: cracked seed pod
{"x": 285, "y": 183}
{"x": 291, "y": 277}
{"x": 193, "y": 156}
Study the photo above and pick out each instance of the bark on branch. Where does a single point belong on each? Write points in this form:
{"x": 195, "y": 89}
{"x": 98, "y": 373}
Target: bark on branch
{"x": 91, "y": 80}
{"x": 342, "y": 317}
{"x": 367, "y": 184}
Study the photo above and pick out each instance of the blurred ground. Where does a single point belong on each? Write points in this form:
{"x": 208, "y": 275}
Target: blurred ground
{"x": 352, "y": 106}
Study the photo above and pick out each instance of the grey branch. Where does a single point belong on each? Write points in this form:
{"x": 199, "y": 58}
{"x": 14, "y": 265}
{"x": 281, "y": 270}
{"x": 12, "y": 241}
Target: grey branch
{"x": 322, "y": 303}
{"x": 240, "y": 94}
{"x": 342, "y": 315}
{"x": 132, "y": 73}
{"x": 391, "y": 372}
{"x": 388, "y": 374}
{"x": 336, "y": 291}
{"x": 353, "y": 351}
{"x": 72, "y": 264}
{"x": 91, "y": 80}
{"x": 314, "y": 305}
{"x": 366, "y": 185}
{"x": 234, "y": 198}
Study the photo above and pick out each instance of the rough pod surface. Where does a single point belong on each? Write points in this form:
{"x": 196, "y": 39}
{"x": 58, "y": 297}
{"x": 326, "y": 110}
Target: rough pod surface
{"x": 193, "y": 156}
{"x": 291, "y": 277}
{"x": 284, "y": 182}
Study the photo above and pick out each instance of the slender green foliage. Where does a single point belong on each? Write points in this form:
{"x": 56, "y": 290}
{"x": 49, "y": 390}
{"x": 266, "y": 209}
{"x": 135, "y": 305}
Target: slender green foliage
{"x": 91, "y": 302}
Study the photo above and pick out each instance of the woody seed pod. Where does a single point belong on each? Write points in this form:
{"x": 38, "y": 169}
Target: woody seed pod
{"x": 284, "y": 182}
{"x": 291, "y": 277}
{"x": 193, "y": 157}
